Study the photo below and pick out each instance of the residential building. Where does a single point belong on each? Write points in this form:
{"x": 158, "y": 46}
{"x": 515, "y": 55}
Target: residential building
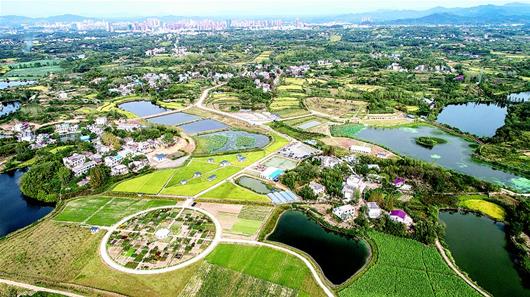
{"x": 400, "y": 216}
{"x": 74, "y": 160}
{"x": 119, "y": 169}
{"x": 360, "y": 149}
{"x": 83, "y": 168}
{"x": 344, "y": 212}
{"x": 317, "y": 188}
{"x": 374, "y": 212}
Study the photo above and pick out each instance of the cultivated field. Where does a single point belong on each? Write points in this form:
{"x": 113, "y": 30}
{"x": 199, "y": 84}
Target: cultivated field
{"x": 230, "y": 191}
{"x": 282, "y": 269}
{"x": 105, "y": 211}
{"x": 476, "y": 203}
{"x": 405, "y": 267}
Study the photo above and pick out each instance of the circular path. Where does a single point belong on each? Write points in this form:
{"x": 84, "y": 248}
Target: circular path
{"x": 137, "y": 245}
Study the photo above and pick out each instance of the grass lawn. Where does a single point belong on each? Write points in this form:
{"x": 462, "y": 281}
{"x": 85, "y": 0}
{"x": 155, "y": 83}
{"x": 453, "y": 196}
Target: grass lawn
{"x": 230, "y": 191}
{"x": 407, "y": 268}
{"x": 266, "y": 264}
{"x": 119, "y": 208}
{"x": 34, "y": 72}
{"x": 488, "y": 208}
{"x": 81, "y": 209}
{"x": 150, "y": 183}
{"x": 106, "y": 211}
{"x": 246, "y": 227}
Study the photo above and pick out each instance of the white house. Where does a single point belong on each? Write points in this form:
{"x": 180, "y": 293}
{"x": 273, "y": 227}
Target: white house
{"x": 374, "y": 212}
{"x": 344, "y": 212}
{"x": 400, "y": 216}
{"x": 329, "y": 162}
{"x": 83, "y": 168}
{"x": 119, "y": 169}
{"x": 74, "y": 160}
{"x": 112, "y": 161}
{"x": 101, "y": 121}
{"x": 317, "y": 188}
{"x": 360, "y": 149}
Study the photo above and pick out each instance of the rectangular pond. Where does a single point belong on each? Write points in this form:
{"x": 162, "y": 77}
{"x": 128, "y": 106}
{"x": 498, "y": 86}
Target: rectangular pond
{"x": 174, "y": 119}
{"x": 203, "y": 126}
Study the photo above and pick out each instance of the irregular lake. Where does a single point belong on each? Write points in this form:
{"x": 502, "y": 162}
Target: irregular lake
{"x": 178, "y": 118}
{"x": 480, "y": 119}
{"x": 455, "y": 154}
{"x": 478, "y": 246}
{"x": 519, "y": 97}
{"x": 16, "y": 211}
{"x": 203, "y": 126}
{"x": 7, "y": 108}
{"x": 142, "y": 108}
{"x": 254, "y": 184}
{"x": 339, "y": 257}
{"x": 15, "y": 83}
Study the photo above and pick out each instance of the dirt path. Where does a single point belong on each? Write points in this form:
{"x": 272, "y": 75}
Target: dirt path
{"x": 36, "y": 288}
{"x": 457, "y": 271}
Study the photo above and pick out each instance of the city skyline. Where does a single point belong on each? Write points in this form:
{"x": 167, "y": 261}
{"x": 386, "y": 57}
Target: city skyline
{"x": 219, "y": 8}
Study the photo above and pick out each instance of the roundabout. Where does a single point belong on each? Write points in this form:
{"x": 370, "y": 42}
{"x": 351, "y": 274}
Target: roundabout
{"x": 160, "y": 239}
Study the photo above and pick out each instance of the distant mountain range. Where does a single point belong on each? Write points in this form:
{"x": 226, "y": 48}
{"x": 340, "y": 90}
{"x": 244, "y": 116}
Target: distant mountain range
{"x": 483, "y": 14}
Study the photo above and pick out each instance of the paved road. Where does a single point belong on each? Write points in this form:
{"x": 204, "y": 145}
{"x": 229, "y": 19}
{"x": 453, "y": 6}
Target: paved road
{"x": 457, "y": 271}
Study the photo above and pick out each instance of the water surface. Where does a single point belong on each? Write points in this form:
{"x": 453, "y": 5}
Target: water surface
{"x": 255, "y": 185}
{"x": 15, "y": 210}
{"x": 174, "y": 119}
{"x": 142, "y": 108}
{"x": 478, "y": 246}
{"x": 7, "y": 108}
{"x": 339, "y": 257}
{"x": 203, "y": 126}
{"x": 480, "y": 119}
{"x": 455, "y": 154}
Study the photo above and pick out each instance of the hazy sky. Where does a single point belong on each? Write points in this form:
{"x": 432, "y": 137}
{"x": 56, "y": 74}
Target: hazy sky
{"x": 128, "y": 8}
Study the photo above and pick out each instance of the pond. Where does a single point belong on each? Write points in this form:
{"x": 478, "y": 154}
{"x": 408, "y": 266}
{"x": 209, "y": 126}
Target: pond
{"x": 338, "y": 256}
{"x": 203, "y": 126}
{"x": 480, "y": 119}
{"x": 16, "y": 211}
{"x": 142, "y": 108}
{"x": 478, "y": 246}
{"x": 7, "y": 108}
{"x": 455, "y": 154}
{"x": 173, "y": 119}
{"x": 15, "y": 83}
{"x": 519, "y": 97}
{"x": 229, "y": 141}
{"x": 254, "y": 184}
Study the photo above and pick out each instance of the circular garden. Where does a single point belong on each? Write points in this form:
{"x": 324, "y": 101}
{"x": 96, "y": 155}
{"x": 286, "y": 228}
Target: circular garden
{"x": 160, "y": 239}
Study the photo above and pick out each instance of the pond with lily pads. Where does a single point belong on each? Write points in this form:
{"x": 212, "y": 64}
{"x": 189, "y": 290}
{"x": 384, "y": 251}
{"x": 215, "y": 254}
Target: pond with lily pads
{"x": 455, "y": 154}
{"x": 230, "y": 141}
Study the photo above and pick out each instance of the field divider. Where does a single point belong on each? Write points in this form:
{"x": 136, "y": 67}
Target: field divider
{"x": 98, "y": 210}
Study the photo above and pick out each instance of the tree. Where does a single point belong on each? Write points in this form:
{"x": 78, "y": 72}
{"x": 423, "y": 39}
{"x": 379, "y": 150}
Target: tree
{"x": 307, "y": 193}
{"x": 110, "y": 140}
{"x": 98, "y": 176}
{"x": 42, "y": 182}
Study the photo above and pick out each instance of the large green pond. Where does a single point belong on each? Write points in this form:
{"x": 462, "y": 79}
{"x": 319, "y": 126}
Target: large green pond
{"x": 338, "y": 256}
{"x": 455, "y": 154}
{"x": 478, "y": 246}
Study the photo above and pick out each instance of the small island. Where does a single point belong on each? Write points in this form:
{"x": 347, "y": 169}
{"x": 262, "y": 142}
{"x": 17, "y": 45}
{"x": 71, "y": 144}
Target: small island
{"x": 429, "y": 142}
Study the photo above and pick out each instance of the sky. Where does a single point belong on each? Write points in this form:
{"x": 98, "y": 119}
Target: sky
{"x": 240, "y": 8}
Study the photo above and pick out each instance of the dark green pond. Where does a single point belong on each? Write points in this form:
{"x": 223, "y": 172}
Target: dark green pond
{"x": 478, "y": 246}
{"x": 455, "y": 154}
{"x": 254, "y": 184}
{"x": 339, "y": 256}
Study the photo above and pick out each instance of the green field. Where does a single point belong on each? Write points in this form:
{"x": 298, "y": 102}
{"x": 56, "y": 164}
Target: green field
{"x": 407, "y": 268}
{"x": 347, "y": 130}
{"x": 488, "y": 208}
{"x": 106, "y": 211}
{"x": 173, "y": 179}
{"x": 286, "y": 270}
{"x": 34, "y": 72}
{"x": 230, "y": 191}
{"x": 150, "y": 183}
